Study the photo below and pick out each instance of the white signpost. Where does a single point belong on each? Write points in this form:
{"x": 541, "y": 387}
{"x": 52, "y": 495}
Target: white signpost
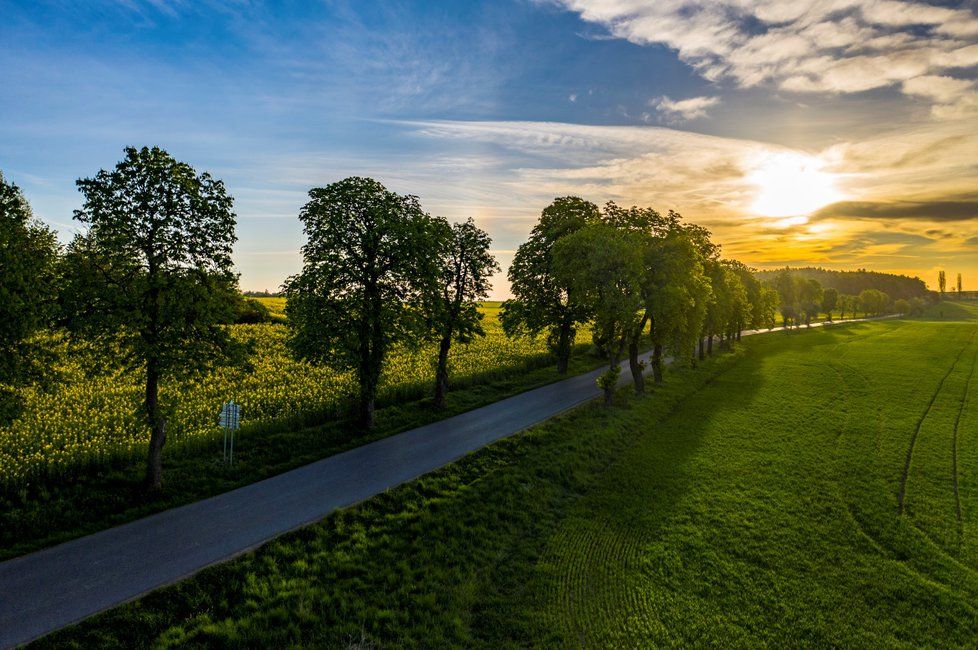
{"x": 230, "y": 420}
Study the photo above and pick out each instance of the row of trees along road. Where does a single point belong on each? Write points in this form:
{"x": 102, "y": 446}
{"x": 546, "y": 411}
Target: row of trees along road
{"x": 625, "y": 270}
{"x": 800, "y": 299}
{"x": 378, "y": 272}
{"x": 151, "y": 279}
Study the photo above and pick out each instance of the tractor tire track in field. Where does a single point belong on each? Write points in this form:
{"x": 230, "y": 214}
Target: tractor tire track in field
{"x": 954, "y": 440}
{"x": 901, "y": 495}
{"x": 863, "y": 530}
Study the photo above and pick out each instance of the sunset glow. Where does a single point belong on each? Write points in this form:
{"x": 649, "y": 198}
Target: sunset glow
{"x": 759, "y": 120}
{"x": 792, "y": 185}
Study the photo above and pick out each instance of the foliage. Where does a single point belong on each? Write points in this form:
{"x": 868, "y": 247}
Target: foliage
{"x": 873, "y": 302}
{"x": 250, "y": 311}
{"x": 28, "y": 255}
{"x": 540, "y": 304}
{"x": 369, "y": 259}
{"x": 602, "y": 265}
{"x": 853, "y": 282}
{"x": 901, "y": 306}
{"x": 830, "y": 300}
{"x": 465, "y": 269}
{"x": 152, "y": 277}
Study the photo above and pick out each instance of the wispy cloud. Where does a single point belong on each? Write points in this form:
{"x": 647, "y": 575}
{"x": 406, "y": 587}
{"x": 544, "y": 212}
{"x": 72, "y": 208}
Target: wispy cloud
{"x": 684, "y": 109}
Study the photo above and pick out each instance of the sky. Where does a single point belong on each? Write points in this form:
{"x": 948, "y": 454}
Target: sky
{"x": 826, "y": 132}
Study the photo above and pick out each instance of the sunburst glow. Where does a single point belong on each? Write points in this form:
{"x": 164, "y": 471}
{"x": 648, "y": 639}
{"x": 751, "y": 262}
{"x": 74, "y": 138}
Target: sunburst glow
{"x": 792, "y": 185}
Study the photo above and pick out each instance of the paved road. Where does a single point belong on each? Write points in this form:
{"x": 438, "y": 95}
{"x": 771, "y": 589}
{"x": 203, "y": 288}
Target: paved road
{"x": 55, "y": 587}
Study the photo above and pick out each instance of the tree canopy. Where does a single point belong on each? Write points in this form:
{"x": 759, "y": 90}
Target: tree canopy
{"x": 370, "y": 261}
{"x": 465, "y": 268}
{"x": 153, "y": 273}
{"x": 603, "y": 266}
{"x": 28, "y": 289}
{"x": 541, "y": 302}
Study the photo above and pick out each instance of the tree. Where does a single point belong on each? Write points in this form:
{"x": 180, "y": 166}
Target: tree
{"x": 465, "y": 269}
{"x": 941, "y": 282}
{"x": 647, "y": 228}
{"x": 784, "y": 284}
{"x": 677, "y": 297}
{"x": 153, "y": 274}
{"x": 728, "y": 306}
{"x": 540, "y": 302}
{"x": 830, "y": 300}
{"x": 917, "y": 306}
{"x": 753, "y": 314}
{"x": 809, "y": 295}
{"x": 873, "y": 301}
{"x": 767, "y": 309}
{"x": 901, "y": 306}
{"x": 28, "y": 255}
{"x": 959, "y": 286}
{"x": 369, "y": 261}
{"x": 602, "y": 265}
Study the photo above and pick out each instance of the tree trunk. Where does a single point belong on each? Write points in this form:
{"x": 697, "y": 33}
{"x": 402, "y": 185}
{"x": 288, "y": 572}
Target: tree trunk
{"x": 609, "y": 390}
{"x": 564, "y": 347}
{"x": 702, "y": 350}
{"x": 709, "y": 344}
{"x": 739, "y": 332}
{"x": 441, "y": 374}
{"x": 657, "y": 363}
{"x": 369, "y": 378}
{"x": 157, "y": 437}
{"x": 637, "y": 377}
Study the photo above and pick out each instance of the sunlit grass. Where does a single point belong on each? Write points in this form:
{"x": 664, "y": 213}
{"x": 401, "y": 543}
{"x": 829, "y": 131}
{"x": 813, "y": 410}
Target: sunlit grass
{"x": 751, "y": 502}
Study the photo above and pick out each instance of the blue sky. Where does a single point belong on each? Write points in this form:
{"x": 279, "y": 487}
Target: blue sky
{"x": 491, "y": 109}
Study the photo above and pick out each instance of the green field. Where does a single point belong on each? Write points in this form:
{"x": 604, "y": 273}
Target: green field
{"x": 813, "y": 488}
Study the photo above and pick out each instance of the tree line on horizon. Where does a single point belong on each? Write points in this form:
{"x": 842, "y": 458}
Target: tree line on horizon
{"x": 151, "y": 276}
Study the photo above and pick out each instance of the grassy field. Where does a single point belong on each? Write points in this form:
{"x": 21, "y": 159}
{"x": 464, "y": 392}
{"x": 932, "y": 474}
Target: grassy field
{"x": 813, "y": 488}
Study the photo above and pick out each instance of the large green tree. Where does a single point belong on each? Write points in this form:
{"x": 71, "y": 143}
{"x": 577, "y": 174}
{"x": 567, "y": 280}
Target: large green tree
{"x": 679, "y": 295}
{"x": 28, "y": 255}
{"x": 808, "y": 293}
{"x": 153, "y": 274}
{"x": 465, "y": 269}
{"x": 830, "y": 300}
{"x": 370, "y": 261}
{"x": 784, "y": 284}
{"x": 541, "y": 303}
{"x": 603, "y": 266}
{"x": 647, "y": 229}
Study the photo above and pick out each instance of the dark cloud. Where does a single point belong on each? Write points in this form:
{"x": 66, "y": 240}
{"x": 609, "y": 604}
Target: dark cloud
{"x": 963, "y": 208}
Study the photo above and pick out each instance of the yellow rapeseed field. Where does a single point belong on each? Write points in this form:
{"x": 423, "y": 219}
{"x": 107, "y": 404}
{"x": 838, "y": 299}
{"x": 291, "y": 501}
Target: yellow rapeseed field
{"x": 91, "y": 415}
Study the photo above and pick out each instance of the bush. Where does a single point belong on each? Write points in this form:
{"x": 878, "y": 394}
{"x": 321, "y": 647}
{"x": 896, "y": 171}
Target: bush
{"x": 250, "y": 311}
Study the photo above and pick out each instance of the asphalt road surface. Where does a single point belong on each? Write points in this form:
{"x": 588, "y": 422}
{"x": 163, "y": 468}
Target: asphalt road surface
{"x": 54, "y": 587}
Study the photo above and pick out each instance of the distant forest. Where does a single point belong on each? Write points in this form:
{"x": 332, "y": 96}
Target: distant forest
{"x": 853, "y": 282}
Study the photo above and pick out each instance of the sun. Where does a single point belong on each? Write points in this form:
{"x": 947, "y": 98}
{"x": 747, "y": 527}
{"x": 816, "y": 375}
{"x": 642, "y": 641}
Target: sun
{"x": 792, "y": 185}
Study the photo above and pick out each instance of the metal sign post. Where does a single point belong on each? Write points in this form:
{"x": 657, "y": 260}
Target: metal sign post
{"x": 230, "y": 420}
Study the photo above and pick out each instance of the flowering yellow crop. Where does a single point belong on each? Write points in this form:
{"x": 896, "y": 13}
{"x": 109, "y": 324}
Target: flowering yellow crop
{"x": 92, "y": 415}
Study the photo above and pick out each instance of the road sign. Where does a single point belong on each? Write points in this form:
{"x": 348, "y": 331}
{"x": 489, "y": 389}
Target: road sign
{"x": 230, "y": 417}
{"x": 230, "y": 420}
